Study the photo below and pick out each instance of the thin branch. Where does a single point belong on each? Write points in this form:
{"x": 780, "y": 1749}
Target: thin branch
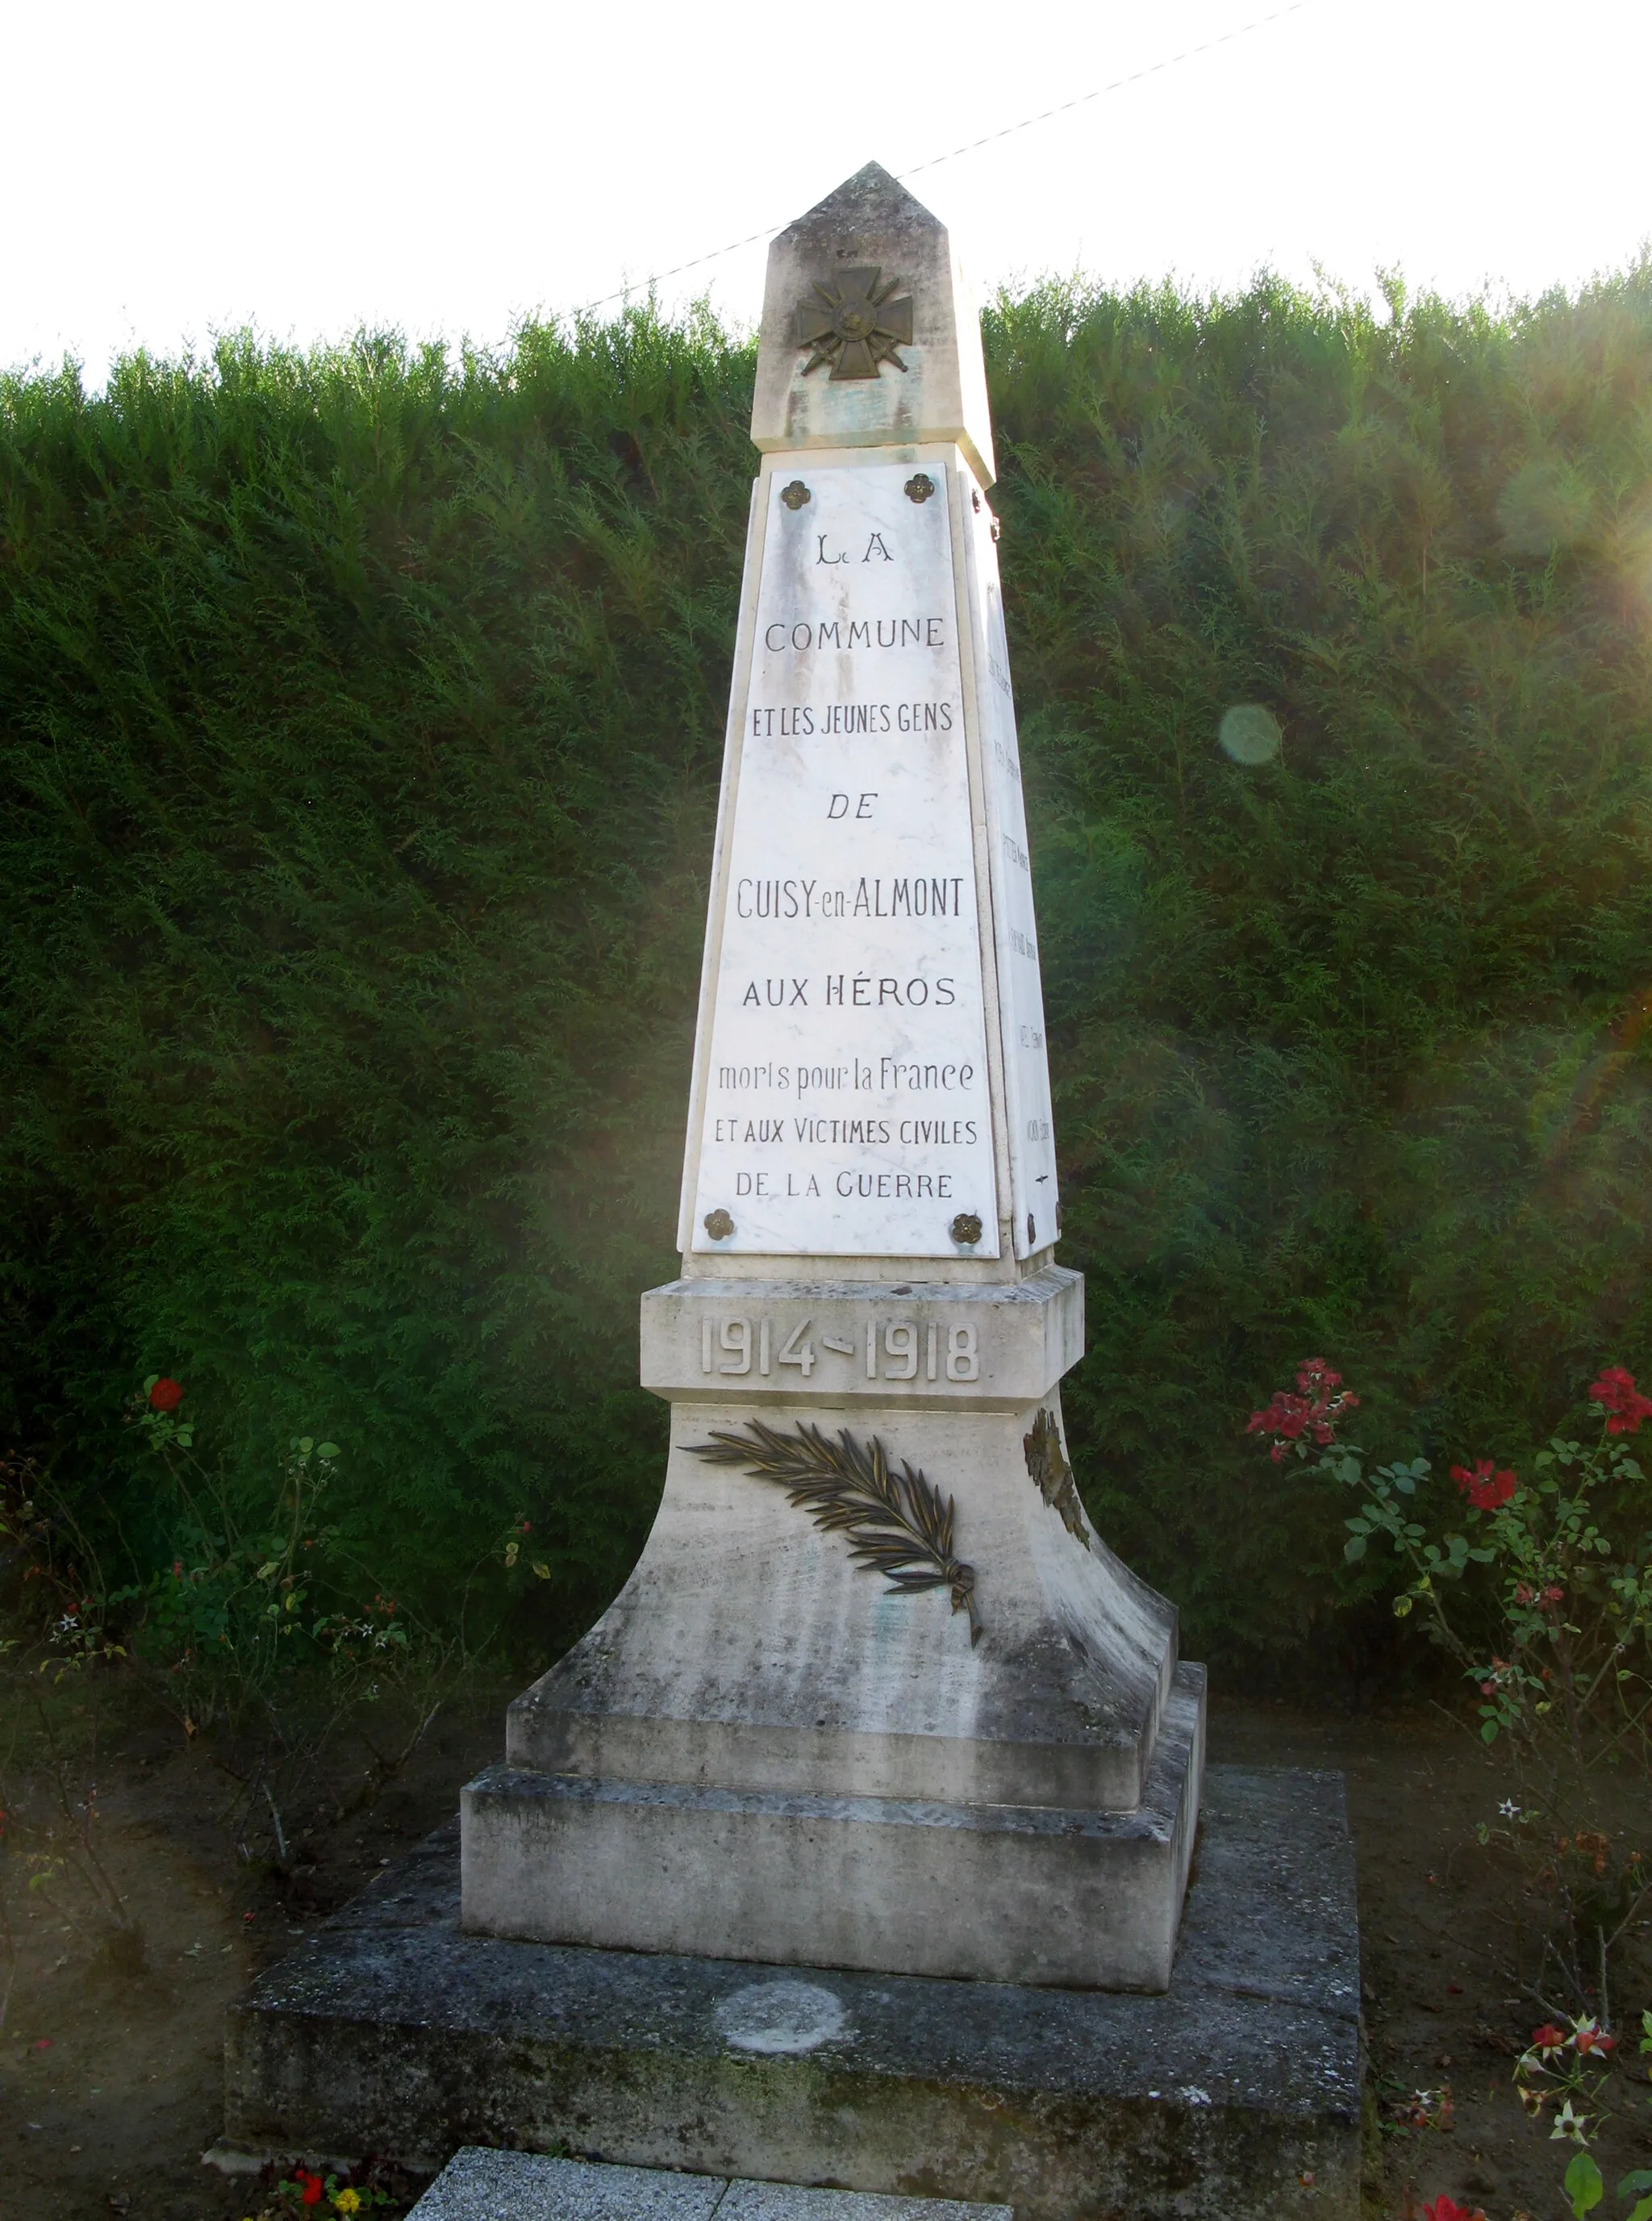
{"x": 282, "y": 1852}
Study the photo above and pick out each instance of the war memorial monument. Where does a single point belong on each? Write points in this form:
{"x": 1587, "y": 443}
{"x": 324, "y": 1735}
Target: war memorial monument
{"x": 852, "y": 1845}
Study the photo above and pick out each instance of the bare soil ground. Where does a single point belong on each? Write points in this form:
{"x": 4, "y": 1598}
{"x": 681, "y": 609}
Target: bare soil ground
{"x": 1446, "y": 2012}
{"x": 109, "y": 2063}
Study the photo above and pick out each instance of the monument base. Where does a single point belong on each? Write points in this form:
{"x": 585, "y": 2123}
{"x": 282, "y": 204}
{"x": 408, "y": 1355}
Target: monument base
{"x": 995, "y": 1893}
{"x": 1236, "y": 2094}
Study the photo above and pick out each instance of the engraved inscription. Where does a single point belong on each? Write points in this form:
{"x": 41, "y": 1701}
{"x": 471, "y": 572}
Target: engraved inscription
{"x": 844, "y": 1098}
{"x": 894, "y": 1349}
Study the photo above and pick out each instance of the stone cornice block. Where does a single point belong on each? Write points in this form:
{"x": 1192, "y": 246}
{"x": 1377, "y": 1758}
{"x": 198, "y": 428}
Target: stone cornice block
{"x": 993, "y": 1348}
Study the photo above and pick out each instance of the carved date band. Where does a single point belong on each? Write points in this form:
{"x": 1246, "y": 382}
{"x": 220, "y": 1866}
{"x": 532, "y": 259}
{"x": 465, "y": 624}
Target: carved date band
{"x": 893, "y": 1350}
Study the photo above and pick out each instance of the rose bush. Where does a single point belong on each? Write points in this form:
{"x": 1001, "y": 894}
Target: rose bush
{"x": 1536, "y": 1579}
{"x": 1550, "y": 1618}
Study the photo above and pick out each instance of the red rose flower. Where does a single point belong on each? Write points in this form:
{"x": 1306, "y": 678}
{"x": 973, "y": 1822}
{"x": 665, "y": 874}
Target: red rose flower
{"x": 1590, "y": 2038}
{"x": 1548, "y": 2037}
{"x": 1314, "y": 1412}
{"x": 1447, "y": 2209}
{"x": 1286, "y": 1415}
{"x": 1621, "y": 1400}
{"x": 1313, "y": 1374}
{"x": 1485, "y": 1489}
{"x": 166, "y": 1395}
{"x": 312, "y": 2187}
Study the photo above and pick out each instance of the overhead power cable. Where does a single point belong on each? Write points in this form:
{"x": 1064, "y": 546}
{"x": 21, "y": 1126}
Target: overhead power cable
{"x": 974, "y": 145}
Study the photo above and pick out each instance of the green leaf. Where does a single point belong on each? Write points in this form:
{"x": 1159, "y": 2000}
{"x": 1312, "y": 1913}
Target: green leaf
{"x": 1354, "y": 1549}
{"x": 1583, "y": 2183}
{"x": 1633, "y": 2185}
{"x": 1488, "y": 1732}
{"x": 327, "y": 1450}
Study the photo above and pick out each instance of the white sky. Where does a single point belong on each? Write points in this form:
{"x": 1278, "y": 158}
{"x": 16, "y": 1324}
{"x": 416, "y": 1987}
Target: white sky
{"x": 176, "y": 167}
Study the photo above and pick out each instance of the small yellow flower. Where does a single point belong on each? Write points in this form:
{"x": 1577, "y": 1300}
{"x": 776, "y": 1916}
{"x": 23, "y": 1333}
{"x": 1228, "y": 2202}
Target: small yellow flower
{"x": 346, "y": 2201}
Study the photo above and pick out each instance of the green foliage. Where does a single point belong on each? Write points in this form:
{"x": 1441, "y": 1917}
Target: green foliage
{"x": 359, "y": 722}
{"x": 1583, "y": 2184}
{"x": 1348, "y": 1042}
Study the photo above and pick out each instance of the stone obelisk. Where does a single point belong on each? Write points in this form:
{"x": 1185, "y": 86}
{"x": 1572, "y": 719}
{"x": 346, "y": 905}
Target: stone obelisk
{"x": 877, "y": 1695}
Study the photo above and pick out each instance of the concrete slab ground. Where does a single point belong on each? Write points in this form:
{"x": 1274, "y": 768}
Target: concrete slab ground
{"x": 1233, "y": 2097}
{"x": 506, "y": 2185}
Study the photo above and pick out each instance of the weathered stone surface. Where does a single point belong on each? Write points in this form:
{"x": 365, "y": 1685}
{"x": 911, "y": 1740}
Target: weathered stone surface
{"x": 391, "y": 2031}
{"x": 1020, "y": 1340}
{"x": 477, "y": 2185}
{"x": 748, "y": 1651}
{"x": 506, "y": 2186}
{"x": 988, "y": 1892}
{"x": 871, "y": 221}
{"x": 783, "y": 2201}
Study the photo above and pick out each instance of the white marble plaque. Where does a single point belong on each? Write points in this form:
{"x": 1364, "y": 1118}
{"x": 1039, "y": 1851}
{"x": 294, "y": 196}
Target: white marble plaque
{"x": 1021, "y": 993}
{"x": 845, "y": 1107}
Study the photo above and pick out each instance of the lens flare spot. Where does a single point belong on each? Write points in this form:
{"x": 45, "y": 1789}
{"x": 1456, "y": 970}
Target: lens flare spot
{"x": 1546, "y": 506}
{"x": 1249, "y": 734}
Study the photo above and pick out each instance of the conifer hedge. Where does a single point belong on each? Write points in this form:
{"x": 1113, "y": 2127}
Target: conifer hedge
{"x": 359, "y": 722}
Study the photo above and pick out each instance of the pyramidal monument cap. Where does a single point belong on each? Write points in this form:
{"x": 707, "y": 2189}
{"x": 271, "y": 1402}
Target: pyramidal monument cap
{"x": 870, "y": 275}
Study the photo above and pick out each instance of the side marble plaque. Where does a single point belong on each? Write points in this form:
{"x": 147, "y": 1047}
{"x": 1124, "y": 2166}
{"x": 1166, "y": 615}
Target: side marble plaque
{"x": 1034, "y": 1201}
